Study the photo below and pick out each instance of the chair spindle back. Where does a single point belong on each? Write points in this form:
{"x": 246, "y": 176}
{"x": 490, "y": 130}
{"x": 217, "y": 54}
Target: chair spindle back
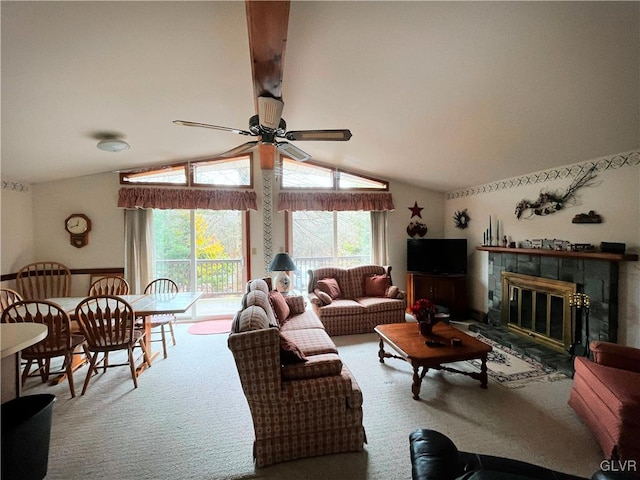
{"x": 41, "y": 280}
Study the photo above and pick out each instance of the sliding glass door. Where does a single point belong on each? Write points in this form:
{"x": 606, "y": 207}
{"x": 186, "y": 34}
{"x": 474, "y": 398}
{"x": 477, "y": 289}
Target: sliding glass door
{"x": 202, "y": 250}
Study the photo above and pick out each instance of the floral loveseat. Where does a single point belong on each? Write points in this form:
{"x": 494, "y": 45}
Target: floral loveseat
{"x": 355, "y": 300}
{"x": 303, "y": 400}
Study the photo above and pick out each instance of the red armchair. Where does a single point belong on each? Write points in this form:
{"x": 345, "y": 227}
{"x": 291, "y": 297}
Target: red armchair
{"x": 606, "y": 395}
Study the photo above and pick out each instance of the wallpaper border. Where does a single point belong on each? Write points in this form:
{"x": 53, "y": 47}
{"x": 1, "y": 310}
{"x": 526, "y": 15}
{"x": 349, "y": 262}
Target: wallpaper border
{"x": 15, "y": 186}
{"x": 619, "y": 160}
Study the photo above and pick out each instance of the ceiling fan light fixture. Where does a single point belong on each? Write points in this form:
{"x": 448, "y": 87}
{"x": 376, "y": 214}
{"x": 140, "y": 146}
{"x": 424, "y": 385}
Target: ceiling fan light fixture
{"x": 112, "y": 145}
{"x": 292, "y": 151}
{"x": 270, "y": 112}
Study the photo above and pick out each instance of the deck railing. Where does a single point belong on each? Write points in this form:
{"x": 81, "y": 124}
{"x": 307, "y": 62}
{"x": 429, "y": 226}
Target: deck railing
{"x": 213, "y": 277}
{"x": 224, "y": 277}
{"x": 304, "y": 264}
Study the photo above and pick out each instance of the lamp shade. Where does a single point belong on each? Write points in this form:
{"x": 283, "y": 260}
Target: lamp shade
{"x": 282, "y": 262}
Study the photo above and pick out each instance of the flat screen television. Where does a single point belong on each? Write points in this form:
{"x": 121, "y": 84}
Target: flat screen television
{"x": 441, "y": 256}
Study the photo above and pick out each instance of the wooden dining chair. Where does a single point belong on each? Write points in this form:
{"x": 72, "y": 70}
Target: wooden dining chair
{"x": 162, "y": 285}
{"x": 108, "y": 324}
{"x": 8, "y": 297}
{"x": 59, "y": 342}
{"x": 42, "y": 280}
{"x": 110, "y": 285}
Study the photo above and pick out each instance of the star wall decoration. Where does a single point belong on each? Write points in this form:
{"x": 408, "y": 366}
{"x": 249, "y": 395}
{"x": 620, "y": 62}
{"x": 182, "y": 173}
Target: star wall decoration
{"x": 415, "y": 210}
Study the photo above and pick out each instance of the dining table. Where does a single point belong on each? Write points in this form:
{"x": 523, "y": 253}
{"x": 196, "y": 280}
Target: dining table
{"x": 144, "y": 306}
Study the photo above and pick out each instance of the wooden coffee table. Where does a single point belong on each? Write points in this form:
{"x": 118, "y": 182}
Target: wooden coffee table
{"x": 406, "y": 341}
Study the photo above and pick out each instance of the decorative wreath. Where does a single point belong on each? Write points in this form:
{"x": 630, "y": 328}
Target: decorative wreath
{"x": 461, "y": 219}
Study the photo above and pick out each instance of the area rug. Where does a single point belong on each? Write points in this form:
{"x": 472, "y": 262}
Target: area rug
{"x": 511, "y": 369}
{"x": 210, "y": 327}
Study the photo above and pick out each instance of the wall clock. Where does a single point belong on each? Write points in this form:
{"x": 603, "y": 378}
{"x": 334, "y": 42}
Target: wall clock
{"x": 78, "y": 225}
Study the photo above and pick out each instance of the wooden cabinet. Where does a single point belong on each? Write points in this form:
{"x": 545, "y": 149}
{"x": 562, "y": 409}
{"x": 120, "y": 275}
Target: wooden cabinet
{"x": 447, "y": 290}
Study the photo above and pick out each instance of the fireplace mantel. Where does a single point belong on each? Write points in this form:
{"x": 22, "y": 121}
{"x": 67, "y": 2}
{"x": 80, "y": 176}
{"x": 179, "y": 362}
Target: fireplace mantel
{"x": 610, "y": 257}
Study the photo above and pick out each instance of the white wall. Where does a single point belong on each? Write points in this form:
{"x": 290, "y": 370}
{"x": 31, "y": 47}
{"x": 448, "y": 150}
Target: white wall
{"x": 613, "y": 195}
{"x": 404, "y": 197}
{"x": 16, "y": 233}
{"x": 96, "y": 196}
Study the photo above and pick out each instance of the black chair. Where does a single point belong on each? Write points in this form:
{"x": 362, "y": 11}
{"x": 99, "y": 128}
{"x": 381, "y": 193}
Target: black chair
{"x": 434, "y": 456}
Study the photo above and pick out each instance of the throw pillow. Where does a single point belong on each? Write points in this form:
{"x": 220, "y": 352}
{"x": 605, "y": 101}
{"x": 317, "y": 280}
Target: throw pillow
{"x": 330, "y": 287}
{"x": 324, "y": 298}
{"x": 290, "y": 353}
{"x": 393, "y": 291}
{"x": 296, "y": 303}
{"x": 280, "y": 306}
{"x": 376, "y": 285}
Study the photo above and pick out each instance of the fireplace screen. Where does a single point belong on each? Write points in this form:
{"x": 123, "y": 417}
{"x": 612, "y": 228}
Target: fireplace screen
{"x": 538, "y": 307}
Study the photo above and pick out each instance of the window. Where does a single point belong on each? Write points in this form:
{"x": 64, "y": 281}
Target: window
{"x": 347, "y": 181}
{"x": 329, "y": 238}
{"x": 168, "y": 175}
{"x": 310, "y": 175}
{"x": 235, "y": 172}
{"x": 330, "y": 223}
{"x": 220, "y": 172}
{"x": 305, "y": 175}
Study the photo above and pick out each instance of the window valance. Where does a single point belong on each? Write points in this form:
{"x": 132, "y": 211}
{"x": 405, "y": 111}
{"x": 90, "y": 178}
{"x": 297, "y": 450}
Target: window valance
{"x": 339, "y": 201}
{"x": 186, "y": 198}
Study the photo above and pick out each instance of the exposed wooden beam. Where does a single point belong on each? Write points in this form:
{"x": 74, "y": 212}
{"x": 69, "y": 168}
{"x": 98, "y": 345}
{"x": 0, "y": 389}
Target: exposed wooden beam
{"x": 267, "y": 22}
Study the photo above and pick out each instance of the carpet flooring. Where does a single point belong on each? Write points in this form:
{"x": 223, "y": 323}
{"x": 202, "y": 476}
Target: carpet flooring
{"x": 189, "y": 419}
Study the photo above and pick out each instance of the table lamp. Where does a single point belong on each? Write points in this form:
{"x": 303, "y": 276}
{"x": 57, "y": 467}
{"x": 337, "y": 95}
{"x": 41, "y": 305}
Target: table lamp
{"x": 282, "y": 263}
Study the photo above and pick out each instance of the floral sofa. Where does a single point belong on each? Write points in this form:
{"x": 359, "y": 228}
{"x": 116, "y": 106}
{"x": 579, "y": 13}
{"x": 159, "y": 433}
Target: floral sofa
{"x": 303, "y": 400}
{"x": 355, "y": 300}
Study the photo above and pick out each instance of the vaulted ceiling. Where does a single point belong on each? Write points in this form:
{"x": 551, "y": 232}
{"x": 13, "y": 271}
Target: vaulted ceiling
{"x": 442, "y": 95}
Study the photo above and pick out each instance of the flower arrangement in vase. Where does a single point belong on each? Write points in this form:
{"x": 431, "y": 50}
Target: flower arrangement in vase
{"x": 425, "y": 312}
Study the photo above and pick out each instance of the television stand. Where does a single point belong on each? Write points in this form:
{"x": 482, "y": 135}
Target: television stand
{"x": 447, "y": 290}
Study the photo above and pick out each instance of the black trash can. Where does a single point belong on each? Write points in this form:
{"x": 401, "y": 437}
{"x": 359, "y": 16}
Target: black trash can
{"x": 26, "y": 431}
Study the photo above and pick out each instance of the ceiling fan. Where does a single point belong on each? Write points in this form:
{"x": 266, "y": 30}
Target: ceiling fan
{"x": 267, "y": 22}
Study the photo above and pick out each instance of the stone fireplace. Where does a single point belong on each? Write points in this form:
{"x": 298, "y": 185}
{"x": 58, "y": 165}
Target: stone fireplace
{"x": 593, "y": 273}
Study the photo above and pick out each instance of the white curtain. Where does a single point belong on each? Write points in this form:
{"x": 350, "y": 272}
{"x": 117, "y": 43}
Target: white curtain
{"x": 379, "y": 247}
{"x": 138, "y": 248}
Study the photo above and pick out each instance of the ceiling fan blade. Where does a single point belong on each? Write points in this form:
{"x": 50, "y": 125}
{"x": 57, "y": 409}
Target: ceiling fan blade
{"x": 327, "y": 135}
{"x": 214, "y": 127}
{"x": 240, "y": 149}
{"x": 292, "y": 151}
{"x": 267, "y": 22}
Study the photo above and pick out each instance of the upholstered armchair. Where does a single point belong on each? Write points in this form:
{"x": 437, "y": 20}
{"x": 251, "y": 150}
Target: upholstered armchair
{"x": 606, "y": 395}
